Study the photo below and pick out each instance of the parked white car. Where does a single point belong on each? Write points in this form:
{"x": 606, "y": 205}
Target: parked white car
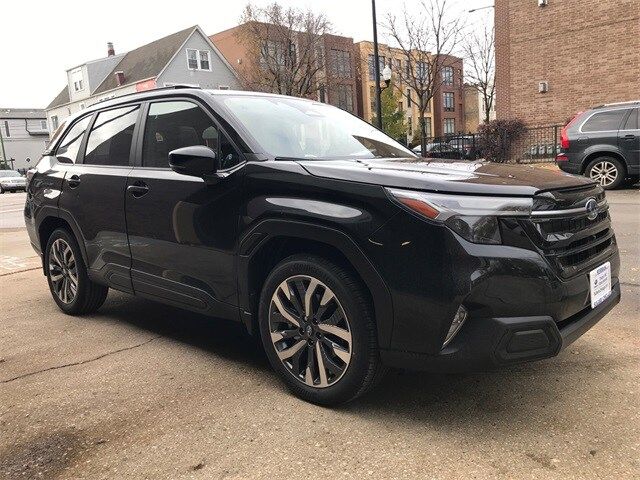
{"x": 12, "y": 181}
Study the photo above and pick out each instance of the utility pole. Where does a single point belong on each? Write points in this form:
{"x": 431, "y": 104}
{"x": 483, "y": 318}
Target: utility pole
{"x": 376, "y": 66}
{"x": 4, "y": 155}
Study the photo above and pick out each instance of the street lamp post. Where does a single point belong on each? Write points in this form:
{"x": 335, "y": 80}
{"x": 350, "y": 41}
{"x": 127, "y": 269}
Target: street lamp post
{"x": 376, "y": 65}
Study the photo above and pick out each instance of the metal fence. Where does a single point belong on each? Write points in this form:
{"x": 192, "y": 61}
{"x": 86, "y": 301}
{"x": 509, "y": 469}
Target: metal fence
{"x": 536, "y": 144}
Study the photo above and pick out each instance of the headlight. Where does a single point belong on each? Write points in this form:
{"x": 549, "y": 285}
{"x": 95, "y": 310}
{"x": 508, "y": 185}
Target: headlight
{"x": 473, "y": 217}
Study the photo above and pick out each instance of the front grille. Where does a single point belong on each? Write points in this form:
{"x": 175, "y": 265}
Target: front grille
{"x": 571, "y": 242}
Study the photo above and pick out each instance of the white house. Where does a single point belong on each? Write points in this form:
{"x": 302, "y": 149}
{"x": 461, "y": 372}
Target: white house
{"x": 23, "y": 136}
{"x": 185, "y": 57}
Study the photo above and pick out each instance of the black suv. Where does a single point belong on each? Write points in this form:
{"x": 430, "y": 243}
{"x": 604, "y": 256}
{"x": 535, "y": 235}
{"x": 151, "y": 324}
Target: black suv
{"x": 339, "y": 247}
{"x": 603, "y": 144}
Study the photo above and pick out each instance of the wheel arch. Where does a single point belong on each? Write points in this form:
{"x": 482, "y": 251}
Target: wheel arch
{"x": 602, "y": 153}
{"x": 51, "y": 220}
{"x": 273, "y": 240}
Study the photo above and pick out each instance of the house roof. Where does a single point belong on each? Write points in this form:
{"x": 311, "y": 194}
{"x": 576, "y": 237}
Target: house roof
{"x": 35, "y": 113}
{"x": 147, "y": 61}
{"x": 140, "y": 64}
{"x": 61, "y": 99}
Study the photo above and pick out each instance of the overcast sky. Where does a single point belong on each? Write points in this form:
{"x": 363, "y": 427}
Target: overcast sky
{"x": 40, "y": 40}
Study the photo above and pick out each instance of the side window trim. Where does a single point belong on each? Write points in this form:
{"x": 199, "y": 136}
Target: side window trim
{"x": 85, "y": 140}
{"x": 139, "y": 139}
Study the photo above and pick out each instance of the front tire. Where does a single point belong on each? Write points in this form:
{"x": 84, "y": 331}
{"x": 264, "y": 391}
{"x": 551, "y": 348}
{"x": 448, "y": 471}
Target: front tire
{"x": 609, "y": 172}
{"x": 66, "y": 272}
{"x": 318, "y": 330}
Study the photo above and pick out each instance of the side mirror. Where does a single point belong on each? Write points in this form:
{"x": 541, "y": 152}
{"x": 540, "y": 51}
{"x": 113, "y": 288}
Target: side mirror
{"x": 196, "y": 161}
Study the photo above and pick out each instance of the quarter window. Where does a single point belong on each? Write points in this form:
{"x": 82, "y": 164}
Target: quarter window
{"x": 604, "y": 121}
{"x": 177, "y": 124}
{"x": 67, "y": 151}
{"x": 633, "y": 121}
{"x": 110, "y": 138}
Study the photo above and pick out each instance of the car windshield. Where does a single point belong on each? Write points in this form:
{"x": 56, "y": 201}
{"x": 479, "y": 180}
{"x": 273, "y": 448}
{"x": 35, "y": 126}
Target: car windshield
{"x": 295, "y": 128}
{"x": 9, "y": 173}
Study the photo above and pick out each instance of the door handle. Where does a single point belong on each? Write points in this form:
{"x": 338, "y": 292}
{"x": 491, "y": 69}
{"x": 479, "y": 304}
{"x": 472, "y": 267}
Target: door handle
{"x": 74, "y": 181}
{"x": 138, "y": 189}
{"x": 629, "y": 137}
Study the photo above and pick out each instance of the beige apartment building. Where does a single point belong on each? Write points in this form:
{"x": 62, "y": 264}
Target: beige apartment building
{"x": 445, "y": 112}
{"x": 555, "y": 58}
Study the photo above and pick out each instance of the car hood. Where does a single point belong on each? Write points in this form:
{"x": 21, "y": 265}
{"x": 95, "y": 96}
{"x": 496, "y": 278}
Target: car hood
{"x": 447, "y": 176}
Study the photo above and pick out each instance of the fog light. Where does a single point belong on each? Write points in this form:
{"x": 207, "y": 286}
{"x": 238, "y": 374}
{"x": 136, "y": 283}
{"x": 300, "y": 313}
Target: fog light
{"x": 458, "y": 320}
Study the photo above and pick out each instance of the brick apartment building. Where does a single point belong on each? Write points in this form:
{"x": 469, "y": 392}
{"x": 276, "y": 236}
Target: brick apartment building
{"x": 440, "y": 119}
{"x": 337, "y": 75}
{"x": 347, "y": 80}
{"x": 584, "y": 53}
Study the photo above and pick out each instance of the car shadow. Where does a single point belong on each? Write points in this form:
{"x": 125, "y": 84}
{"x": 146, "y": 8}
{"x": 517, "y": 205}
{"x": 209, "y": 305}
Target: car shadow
{"x": 501, "y": 399}
{"x": 224, "y": 338}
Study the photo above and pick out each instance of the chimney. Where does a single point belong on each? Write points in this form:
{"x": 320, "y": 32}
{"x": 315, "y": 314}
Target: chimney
{"x": 119, "y": 77}
{"x": 110, "y": 51}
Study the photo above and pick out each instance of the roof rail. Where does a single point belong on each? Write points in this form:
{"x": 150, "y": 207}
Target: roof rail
{"x": 615, "y": 104}
{"x": 171, "y": 87}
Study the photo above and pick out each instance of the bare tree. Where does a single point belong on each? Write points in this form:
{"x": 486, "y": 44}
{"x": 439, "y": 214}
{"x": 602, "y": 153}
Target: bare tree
{"x": 479, "y": 52}
{"x": 426, "y": 39}
{"x": 285, "y": 54}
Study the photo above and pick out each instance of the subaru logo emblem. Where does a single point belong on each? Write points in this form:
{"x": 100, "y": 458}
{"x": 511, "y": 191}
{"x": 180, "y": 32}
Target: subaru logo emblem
{"x": 592, "y": 208}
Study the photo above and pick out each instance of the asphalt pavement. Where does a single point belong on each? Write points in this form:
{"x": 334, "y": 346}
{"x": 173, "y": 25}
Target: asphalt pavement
{"x": 141, "y": 390}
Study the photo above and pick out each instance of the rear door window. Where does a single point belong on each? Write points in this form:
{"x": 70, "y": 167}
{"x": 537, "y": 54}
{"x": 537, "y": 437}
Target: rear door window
{"x": 111, "y": 137}
{"x": 604, "y": 121}
{"x": 67, "y": 151}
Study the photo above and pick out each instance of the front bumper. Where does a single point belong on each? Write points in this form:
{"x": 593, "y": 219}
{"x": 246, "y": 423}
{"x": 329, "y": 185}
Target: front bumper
{"x": 488, "y": 343}
{"x": 14, "y": 188}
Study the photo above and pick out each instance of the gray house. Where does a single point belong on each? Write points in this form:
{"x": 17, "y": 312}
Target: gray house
{"x": 185, "y": 57}
{"x": 23, "y": 136}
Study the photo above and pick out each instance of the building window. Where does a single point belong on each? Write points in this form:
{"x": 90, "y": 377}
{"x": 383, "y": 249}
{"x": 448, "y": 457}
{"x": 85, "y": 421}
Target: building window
{"x": 398, "y": 65}
{"x": 345, "y": 97}
{"x": 449, "y": 126}
{"x": 381, "y": 63}
{"x": 449, "y": 102}
{"x": 54, "y": 123}
{"x": 275, "y": 54}
{"x": 407, "y": 69}
{"x": 422, "y": 71}
{"x": 447, "y": 76}
{"x": 372, "y": 98}
{"x": 400, "y": 107}
{"x": 77, "y": 79}
{"x": 427, "y": 125}
{"x": 410, "y": 125}
{"x": 7, "y": 133}
{"x": 198, "y": 59}
{"x": 43, "y": 124}
{"x": 408, "y": 98}
{"x": 340, "y": 63}
{"x": 204, "y": 60}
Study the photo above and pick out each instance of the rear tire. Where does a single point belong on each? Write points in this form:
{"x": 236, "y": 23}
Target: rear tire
{"x": 66, "y": 272}
{"x": 609, "y": 172}
{"x": 331, "y": 330}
